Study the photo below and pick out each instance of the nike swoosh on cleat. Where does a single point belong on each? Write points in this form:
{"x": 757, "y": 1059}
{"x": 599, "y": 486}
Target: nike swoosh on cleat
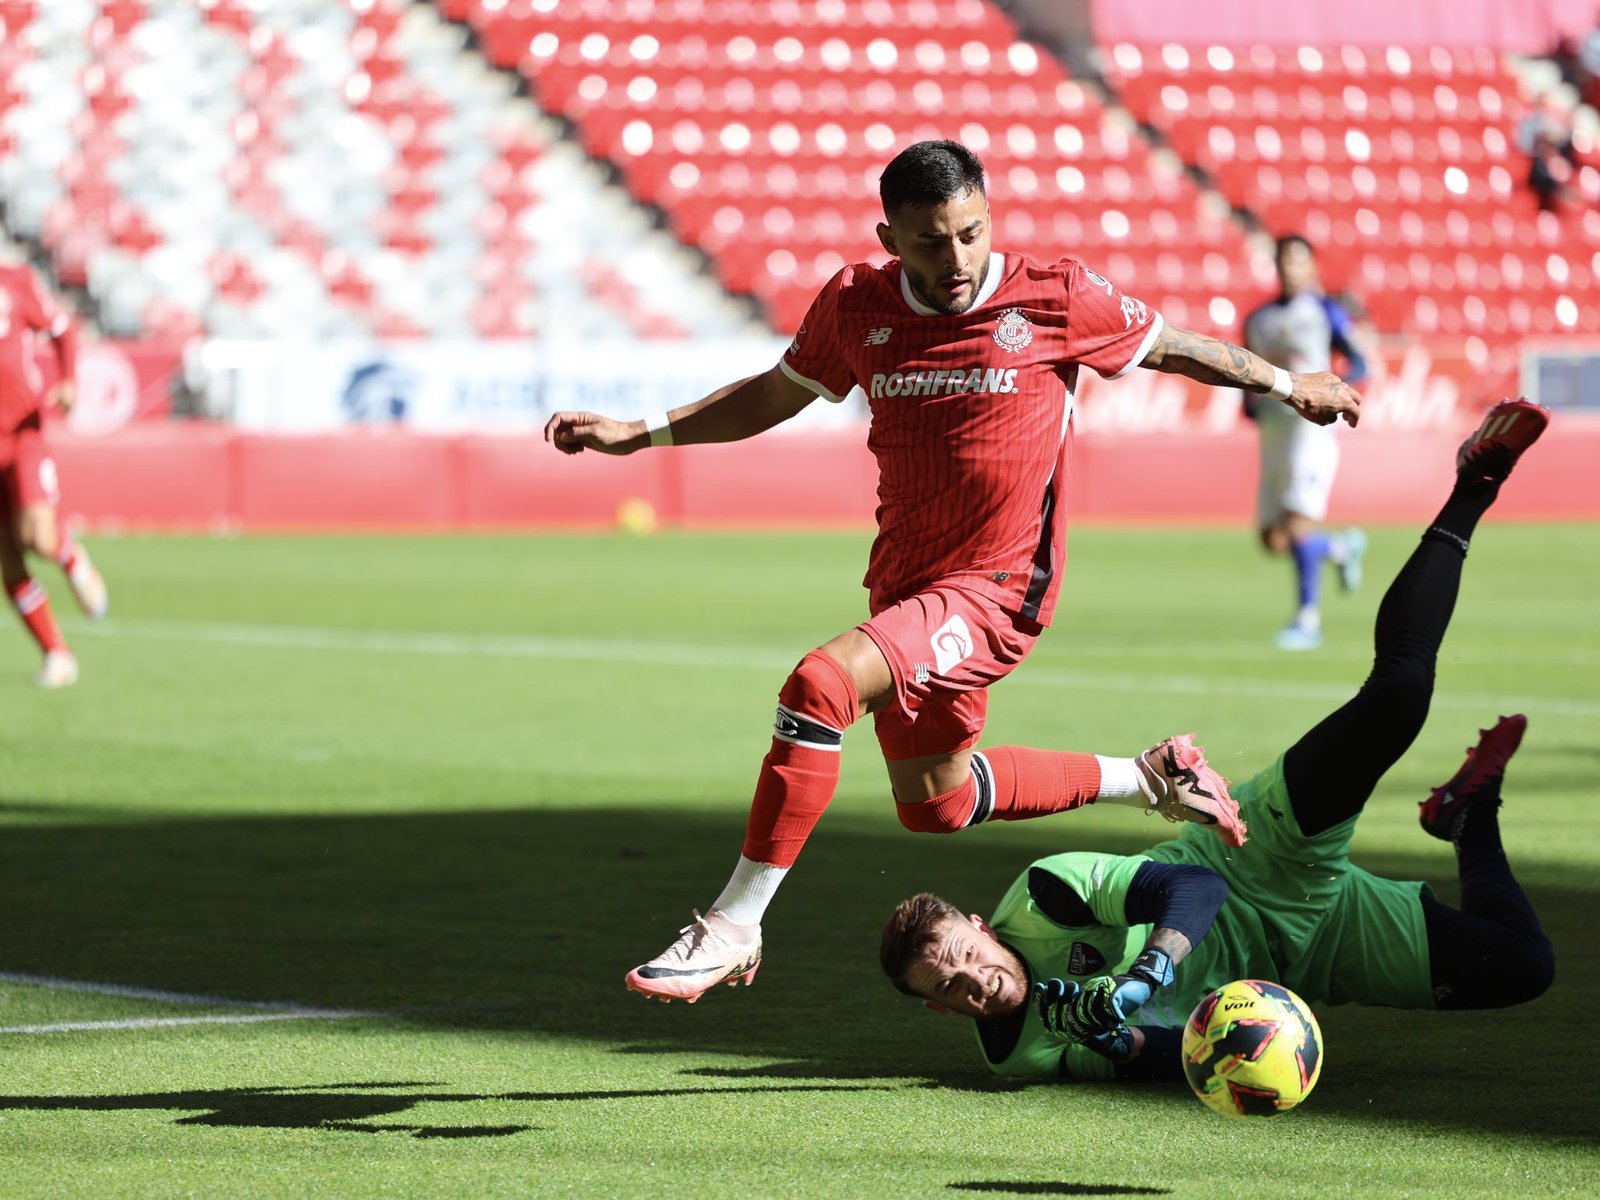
{"x": 670, "y": 973}
{"x": 673, "y": 973}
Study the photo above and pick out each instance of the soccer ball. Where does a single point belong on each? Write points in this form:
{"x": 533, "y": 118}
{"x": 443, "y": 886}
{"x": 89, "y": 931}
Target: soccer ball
{"x": 1252, "y": 1049}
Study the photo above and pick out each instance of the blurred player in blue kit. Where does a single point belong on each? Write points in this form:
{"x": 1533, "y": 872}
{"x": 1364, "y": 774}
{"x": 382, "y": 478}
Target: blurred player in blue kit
{"x": 1301, "y": 330}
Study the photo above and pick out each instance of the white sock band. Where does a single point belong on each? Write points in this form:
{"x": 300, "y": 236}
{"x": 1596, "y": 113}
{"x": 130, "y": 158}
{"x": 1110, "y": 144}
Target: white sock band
{"x": 749, "y": 890}
{"x": 1120, "y": 781}
{"x": 660, "y": 427}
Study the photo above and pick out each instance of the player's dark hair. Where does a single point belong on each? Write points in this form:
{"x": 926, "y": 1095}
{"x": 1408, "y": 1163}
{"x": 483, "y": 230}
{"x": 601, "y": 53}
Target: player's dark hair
{"x": 915, "y": 924}
{"x": 1293, "y": 239}
{"x": 928, "y": 173}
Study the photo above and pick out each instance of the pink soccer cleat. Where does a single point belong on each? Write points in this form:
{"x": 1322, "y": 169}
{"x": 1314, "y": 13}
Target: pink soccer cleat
{"x": 1181, "y": 786}
{"x": 1478, "y": 779}
{"x": 1511, "y": 426}
{"x": 709, "y": 951}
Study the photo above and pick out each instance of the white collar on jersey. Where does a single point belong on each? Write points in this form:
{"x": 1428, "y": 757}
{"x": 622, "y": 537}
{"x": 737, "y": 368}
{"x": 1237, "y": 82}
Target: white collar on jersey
{"x": 991, "y": 283}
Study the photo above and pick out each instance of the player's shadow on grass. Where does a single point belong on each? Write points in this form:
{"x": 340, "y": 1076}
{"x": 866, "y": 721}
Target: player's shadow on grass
{"x": 526, "y": 921}
{"x": 353, "y": 1107}
{"x": 1018, "y": 1187}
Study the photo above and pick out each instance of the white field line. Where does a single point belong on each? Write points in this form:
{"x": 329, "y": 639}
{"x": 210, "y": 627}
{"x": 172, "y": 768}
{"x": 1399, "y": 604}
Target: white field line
{"x": 164, "y": 1022}
{"x": 264, "y": 1010}
{"x": 678, "y": 654}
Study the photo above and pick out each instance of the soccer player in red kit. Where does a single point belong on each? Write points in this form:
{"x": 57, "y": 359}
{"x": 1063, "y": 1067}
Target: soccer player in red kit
{"x": 28, "y": 488}
{"x": 968, "y": 358}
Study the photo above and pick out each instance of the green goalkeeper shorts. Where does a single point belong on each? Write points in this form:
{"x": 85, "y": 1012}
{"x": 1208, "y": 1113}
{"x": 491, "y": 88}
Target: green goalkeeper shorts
{"x": 1341, "y": 934}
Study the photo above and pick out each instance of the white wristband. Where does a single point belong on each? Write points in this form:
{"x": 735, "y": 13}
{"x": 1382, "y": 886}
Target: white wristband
{"x": 660, "y": 427}
{"x": 1282, "y": 384}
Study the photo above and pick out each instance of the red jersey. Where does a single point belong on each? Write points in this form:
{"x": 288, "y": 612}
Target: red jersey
{"x": 970, "y": 415}
{"x": 27, "y": 310}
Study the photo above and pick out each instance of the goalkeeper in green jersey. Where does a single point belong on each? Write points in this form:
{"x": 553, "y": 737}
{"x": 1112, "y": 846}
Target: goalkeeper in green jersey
{"x": 1092, "y": 962}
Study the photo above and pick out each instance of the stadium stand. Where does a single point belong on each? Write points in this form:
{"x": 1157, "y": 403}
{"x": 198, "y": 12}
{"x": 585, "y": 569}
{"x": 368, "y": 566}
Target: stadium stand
{"x": 315, "y": 169}
{"x": 317, "y": 177}
{"x": 327, "y": 168}
{"x": 1401, "y": 166}
{"x": 759, "y": 130}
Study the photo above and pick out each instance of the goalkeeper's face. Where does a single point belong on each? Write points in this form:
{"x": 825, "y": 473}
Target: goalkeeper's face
{"x": 967, "y": 970}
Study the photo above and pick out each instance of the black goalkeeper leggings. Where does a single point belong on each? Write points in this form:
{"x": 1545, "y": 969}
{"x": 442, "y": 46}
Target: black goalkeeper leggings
{"x": 1491, "y": 952}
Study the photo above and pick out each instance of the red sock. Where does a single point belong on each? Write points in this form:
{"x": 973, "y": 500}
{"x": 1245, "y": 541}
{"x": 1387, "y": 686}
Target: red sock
{"x": 799, "y": 774}
{"x": 1033, "y": 783}
{"x": 33, "y": 605}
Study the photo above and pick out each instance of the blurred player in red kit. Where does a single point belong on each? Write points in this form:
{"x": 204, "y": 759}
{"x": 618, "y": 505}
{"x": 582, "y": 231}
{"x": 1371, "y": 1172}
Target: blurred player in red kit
{"x": 968, "y": 359}
{"x": 28, "y": 488}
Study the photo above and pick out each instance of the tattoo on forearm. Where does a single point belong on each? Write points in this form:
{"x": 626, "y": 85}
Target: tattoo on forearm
{"x": 1211, "y": 360}
{"x": 1170, "y": 942}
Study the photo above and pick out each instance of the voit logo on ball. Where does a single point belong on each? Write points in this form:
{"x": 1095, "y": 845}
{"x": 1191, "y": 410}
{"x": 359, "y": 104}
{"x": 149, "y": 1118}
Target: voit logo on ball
{"x": 380, "y": 391}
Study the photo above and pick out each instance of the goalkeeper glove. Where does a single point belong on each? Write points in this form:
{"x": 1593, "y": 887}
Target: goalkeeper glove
{"x": 1054, "y": 1001}
{"x": 1105, "y": 1002}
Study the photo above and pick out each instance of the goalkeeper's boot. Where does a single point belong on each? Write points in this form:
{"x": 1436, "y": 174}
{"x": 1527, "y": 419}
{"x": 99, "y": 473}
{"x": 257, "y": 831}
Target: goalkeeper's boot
{"x": 1181, "y": 786}
{"x": 709, "y": 951}
{"x": 1508, "y": 429}
{"x": 88, "y": 588}
{"x": 1478, "y": 780}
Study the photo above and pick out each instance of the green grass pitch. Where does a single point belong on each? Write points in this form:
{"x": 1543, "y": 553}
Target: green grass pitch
{"x": 444, "y": 792}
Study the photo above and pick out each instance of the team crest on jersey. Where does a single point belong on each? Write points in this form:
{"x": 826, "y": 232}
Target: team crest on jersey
{"x": 1085, "y": 960}
{"x": 1014, "y": 332}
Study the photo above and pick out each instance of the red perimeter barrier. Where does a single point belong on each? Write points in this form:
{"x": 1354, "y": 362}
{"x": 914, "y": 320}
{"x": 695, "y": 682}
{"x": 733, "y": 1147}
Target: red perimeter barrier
{"x": 202, "y": 476}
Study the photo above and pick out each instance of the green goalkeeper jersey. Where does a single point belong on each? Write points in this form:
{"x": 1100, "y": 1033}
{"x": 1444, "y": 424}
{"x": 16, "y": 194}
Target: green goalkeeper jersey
{"x": 1297, "y": 913}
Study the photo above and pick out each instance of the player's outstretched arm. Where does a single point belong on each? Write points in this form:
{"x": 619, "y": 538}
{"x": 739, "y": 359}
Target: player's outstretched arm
{"x": 1319, "y": 396}
{"x": 729, "y": 414}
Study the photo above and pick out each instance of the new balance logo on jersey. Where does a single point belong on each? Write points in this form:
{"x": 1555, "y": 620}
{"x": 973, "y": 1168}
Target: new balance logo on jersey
{"x": 943, "y": 383}
{"x": 878, "y": 337}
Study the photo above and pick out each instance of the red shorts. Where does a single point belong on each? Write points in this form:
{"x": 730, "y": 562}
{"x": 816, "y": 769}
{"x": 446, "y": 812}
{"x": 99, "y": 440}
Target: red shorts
{"x": 27, "y": 472}
{"x": 945, "y": 646}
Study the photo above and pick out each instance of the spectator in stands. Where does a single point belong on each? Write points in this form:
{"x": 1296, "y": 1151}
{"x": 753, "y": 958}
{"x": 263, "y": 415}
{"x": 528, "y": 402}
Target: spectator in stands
{"x": 1093, "y": 962}
{"x": 1545, "y": 135}
{"x": 1302, "y": 329}
{"x": 28, "y": 491}
{"x": 1550, "y": 172}
{"x": 1545, "y": 120}
{"x": 968, "y": 358}
{"x": 1589, "y": 67}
